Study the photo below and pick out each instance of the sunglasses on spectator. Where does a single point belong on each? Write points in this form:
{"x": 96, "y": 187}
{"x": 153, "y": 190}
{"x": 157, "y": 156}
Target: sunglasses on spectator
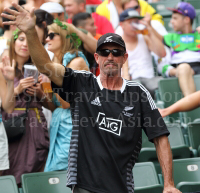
{"x": 115, "y": 52}
{"x": 51, "y": 35}
{"x": 136, "y": 7}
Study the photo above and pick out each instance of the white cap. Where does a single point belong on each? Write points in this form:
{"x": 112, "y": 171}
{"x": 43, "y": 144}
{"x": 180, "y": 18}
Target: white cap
{"x": 52, "y": 7}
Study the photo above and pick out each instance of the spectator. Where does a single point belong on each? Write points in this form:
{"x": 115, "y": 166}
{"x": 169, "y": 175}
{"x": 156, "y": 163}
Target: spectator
{"x": 184, "y": 59}
{"x": 8, "y": 30}
{"x": 86, "y": 22}
{"x": 139, "y": 65}
{"x": 61, "y": 41}
{"x": 73, "y": 7}
{"x": 55, "y": 9}
{"x": 29, "y": 153}
{"x": 66, "y": 53}
{"x": 7, "y": 102}
{"x": 143, "y": 8}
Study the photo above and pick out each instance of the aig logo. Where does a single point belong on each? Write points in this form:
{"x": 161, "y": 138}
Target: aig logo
{"x": 111, "y": 125}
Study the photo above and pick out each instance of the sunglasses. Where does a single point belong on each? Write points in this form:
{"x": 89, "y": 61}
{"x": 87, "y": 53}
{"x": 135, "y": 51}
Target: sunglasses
{"x": 136, "y": 7}
{"x": 51, "y": 35}
{"x": 115, "y": 52}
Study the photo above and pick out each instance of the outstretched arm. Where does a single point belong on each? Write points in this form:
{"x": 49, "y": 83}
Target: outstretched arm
{"x": 185, "y": 104}
{"x": 25, "y": 21}
{"x": 165, "y": 159}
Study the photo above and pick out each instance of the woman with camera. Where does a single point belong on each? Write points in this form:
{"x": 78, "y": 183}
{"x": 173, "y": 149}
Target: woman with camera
{"x": 29, "y": 148}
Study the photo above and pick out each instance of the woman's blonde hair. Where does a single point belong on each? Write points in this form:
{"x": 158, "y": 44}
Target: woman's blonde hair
{"x": 67, "y": 43}
{"x": 12, "y": 53}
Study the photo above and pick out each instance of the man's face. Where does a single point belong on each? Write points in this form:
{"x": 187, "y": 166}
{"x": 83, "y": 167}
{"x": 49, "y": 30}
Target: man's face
{"x": 90, "y": 26}
{"x": 177, "y": 21}
{"x": 132, "y": 4}
{"x": 110, "y": 65}
{"x": 128, "y": 28}
{"x": 72, "y": 8}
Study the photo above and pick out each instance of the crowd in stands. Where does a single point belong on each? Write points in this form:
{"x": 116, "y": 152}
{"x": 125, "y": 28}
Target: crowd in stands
{"x": 69, "y": 34}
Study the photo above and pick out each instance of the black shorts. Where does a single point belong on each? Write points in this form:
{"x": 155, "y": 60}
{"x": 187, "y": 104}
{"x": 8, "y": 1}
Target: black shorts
{"x": 194, "y": 65}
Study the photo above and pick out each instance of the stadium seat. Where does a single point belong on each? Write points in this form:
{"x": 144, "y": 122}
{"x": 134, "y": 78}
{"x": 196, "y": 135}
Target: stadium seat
{"x": 146, "y": 178}
{"x": 168, "y": 25}
{"x": 170, "y": 93}
{"x": 190, "y": 116}
{"x": 187, "y": 174}
{"x": 179, "y": 148}
{"x": 161, "y": 6}
{"x": 194, "y": 135}
{"x": 197, "y": 17}
{"x": 194, "y": 3}
{"x": 91, "y": 8}
{"x": 8, "y": 184}
{"x": 45, "y": 182}
{"x": 1, "y": 31}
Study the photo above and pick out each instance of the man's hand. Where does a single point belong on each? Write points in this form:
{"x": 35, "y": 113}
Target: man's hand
{"x": 7, "y": 70}
{"x": 171, "y": 189}
{"x": 146, "y": 21}
{"x": 24, "y": 20}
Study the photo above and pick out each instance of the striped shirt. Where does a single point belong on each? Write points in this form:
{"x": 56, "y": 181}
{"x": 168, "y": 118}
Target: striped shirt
{"x": 107, "y": 131}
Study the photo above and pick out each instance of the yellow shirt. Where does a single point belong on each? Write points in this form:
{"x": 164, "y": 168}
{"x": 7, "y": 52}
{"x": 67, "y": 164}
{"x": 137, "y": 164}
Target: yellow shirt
{"x": 103, "y": 10}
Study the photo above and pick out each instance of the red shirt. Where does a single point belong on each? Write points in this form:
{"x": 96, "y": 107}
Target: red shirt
{"x": 93, "y": 2}
{"x": 103, "y": 24}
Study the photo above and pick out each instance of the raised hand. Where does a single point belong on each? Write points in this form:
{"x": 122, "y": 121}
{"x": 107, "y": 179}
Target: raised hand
{"x": 24, "y": 20}
{"x": 8, "y": 70}
{"x": 146, "y": 21}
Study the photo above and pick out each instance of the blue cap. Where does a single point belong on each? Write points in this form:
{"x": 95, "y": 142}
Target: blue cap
{"x": 129, "y": 14}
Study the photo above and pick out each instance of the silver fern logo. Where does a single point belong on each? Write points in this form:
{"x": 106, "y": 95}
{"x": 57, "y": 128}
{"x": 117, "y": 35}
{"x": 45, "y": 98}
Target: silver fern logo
{"x": 108, "y": 39}
{"x": 128, "y": 108}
